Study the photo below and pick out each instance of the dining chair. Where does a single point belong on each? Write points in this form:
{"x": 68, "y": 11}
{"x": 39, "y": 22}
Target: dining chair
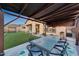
{"x": 59, "y": 49}
{"x": 34, "y": 51}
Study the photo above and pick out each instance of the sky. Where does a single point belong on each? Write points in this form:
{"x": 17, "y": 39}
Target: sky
{"x": 8, "y": 18}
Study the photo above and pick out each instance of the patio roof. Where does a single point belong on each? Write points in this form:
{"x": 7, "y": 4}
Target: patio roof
{"x": 51, "y": 13}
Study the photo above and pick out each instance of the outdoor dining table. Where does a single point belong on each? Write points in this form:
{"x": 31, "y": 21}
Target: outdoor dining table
{"x": 45, "y": 43}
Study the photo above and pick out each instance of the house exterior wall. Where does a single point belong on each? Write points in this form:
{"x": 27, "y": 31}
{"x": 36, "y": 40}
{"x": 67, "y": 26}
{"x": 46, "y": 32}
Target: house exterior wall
{"x": 18, "y": 29}
{"x": 33, "y": 23}
{"x": 5, "y": 29}
{"x": 25, "y": 28}
{"x": 58, "y": 28}
{"x": 22, "y": 28}
{"x": 12, "y": 28}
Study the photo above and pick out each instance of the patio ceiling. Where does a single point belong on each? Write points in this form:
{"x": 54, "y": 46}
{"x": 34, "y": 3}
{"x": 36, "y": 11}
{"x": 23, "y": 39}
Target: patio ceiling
{"x": 52, "y": 13}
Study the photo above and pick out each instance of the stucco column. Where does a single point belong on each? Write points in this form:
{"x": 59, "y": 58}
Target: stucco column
{"x": 1, "y": 34}
{"x": 44, "y": 29}
{"x": 77, "y": 36}
{"x": 76, "y": 30}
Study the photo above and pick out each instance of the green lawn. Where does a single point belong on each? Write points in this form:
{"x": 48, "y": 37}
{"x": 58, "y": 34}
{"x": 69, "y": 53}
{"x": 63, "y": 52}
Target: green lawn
{"x": 16, "y": 38}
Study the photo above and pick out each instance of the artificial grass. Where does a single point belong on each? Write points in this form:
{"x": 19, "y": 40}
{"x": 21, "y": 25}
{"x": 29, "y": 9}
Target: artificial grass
{"x": 16, "y": 38}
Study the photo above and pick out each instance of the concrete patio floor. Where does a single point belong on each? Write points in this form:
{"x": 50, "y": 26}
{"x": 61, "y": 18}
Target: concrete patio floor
{"x": 15, "y": 51}
{"x": 77, "y": 50}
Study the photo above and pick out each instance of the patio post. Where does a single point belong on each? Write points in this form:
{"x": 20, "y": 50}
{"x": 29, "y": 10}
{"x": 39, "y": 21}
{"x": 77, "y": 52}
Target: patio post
{"x": 1, "y": 34}
{"x": 77, "y": 29}
{"x": 77, "y": 35}
{"x": 45, "y": 29}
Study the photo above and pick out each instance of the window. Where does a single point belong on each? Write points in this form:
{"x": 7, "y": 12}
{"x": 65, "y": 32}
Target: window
{"x": 69, "y": 34}
{"x": 51, "y": 30}
{"x": 37, "y": 28}
{"x": 54, "y": 30}
{"x": 24, "y": 27}
{"x": 29, "y": 28}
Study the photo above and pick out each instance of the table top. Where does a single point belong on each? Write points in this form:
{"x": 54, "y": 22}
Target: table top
{"x": 46, "y": 43}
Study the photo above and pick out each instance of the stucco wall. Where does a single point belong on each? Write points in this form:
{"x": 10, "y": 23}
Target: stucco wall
{"x": 60, "y": 29}
{"x": 12, "y": 29}
{"x": 41, "y": 30}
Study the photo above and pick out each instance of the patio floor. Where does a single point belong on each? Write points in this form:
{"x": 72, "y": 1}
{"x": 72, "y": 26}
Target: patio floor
{"x": 77, "y": 49}
{"x": 15, "y": 51}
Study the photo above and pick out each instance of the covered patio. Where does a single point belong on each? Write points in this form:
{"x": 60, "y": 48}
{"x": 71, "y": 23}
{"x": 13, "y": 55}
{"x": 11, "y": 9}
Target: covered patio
{"x": 51, "y": 15}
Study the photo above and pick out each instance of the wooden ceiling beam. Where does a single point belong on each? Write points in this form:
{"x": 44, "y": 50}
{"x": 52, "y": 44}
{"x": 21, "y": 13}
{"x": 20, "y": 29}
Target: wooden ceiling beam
{"x": 61, "y": 19}
{"x": 47, "y": 10}
{"x": 26, "y": 18}
{"x": 62, "y": 14}
{"x": 13, "y": 6}
{"x": 59, "y": 10}
{"x": 18, "y": 15}
{"x": 64, "y": 9}
{"x": 67, "y": 23}
{"x": 61, "y": 23}
{"x": 50, "y": 13}
{"x": 15, "y": 15}
{"x": 41, "y": 8}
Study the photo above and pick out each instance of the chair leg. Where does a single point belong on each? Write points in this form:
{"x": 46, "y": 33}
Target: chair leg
{"x": 66, "y": 53}
{"x": 45, "y": 53}
{"x": 41, "y": 54}
{"x": 30, "y": 54}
